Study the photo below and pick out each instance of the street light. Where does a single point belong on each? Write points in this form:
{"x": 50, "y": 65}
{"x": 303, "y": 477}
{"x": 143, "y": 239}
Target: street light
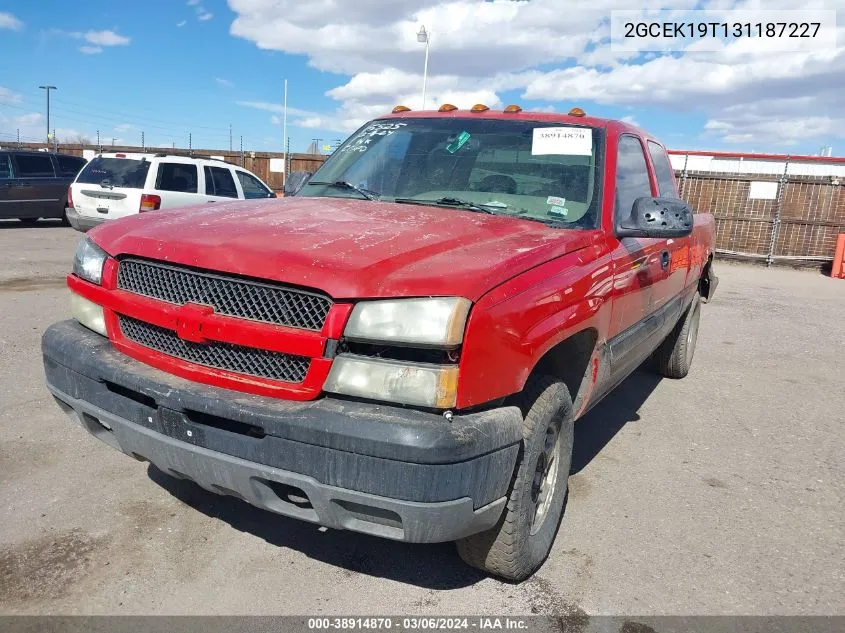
{"x": 424, "y": 37}
{"x": 48, "y": 89}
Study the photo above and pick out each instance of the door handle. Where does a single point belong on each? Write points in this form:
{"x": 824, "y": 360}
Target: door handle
{"x": 664, "y": 260}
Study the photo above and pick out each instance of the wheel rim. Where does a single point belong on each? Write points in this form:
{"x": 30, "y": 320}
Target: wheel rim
{"x": 544, "y": 483}
{"x": 692, "y": 334}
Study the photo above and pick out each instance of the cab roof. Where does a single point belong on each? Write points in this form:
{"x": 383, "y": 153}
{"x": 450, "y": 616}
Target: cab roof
{"x": 612, "y": 125}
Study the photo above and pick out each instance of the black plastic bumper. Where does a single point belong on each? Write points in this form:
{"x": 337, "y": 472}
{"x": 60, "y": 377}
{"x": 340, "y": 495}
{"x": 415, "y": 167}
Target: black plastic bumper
{"x": 388, "y": 471}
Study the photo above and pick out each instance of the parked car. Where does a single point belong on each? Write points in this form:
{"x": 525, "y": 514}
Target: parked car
{"x": 117, "y": 185}
{"x": 34, "y": 184}
{"x": 402, "y": 347}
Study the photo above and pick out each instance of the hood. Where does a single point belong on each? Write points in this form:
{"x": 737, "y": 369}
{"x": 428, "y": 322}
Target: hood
{"x": 344, "y": 247}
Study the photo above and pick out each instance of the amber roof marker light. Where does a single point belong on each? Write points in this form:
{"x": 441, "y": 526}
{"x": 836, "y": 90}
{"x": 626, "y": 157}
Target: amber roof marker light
{"x": 513, "y": 109}
{"x": 401, "y": 108}
{"x": 576, "y": 112}
{"x": 447, "y": 107}
{"x": 479, "y": 107}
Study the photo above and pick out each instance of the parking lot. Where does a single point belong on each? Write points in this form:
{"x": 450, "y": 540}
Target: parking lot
{"x": 718, "y": 494}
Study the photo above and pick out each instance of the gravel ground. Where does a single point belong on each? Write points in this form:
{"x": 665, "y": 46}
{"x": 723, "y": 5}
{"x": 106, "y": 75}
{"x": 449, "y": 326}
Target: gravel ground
{"x": 718, "y": 494}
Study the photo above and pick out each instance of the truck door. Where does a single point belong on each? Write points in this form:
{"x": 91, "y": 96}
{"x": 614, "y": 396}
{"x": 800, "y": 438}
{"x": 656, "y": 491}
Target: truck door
{"x": 674, "y": 255}
{"x": 637, "y": 266}
{"x": 35, "y": 191}
{"x": 5, "y": 185}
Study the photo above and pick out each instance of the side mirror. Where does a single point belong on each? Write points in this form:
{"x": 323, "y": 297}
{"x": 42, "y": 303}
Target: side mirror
{"x": 295, "y": 181}
{"x": 657, "y": 217}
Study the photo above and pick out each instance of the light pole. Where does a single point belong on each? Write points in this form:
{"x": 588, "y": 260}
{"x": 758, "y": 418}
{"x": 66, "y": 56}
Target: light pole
{"x": 48, "y": 89}
{"x": 424, "y": 37}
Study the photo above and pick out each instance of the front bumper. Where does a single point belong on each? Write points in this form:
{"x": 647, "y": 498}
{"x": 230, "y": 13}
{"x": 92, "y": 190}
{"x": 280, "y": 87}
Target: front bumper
{"x": 82, "y": 222}
{"x": 382, "y": 470}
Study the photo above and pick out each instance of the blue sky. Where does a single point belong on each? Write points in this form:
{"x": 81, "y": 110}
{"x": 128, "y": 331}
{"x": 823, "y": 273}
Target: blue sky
{"x": 170, "y": 68}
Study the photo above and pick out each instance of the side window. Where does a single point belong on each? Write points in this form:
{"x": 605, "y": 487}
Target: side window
{"x": 69, "y": 165}
{"x": 179, "y": 177}
{"x": 663, "y": 170}
{"x": 632, "y": 179}
{"x": 252, "y": 186}
{"x": 5, "y": 167}
{"x": 33, "y": 166}
{"x": 219, "y": 182}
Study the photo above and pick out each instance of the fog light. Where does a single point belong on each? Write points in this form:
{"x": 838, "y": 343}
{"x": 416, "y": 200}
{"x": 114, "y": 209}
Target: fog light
{"x": 88, "y": 313}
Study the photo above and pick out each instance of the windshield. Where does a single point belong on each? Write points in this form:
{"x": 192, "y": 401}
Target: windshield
{"x": 537, "y": 171}
{"x": 115, "y": 172}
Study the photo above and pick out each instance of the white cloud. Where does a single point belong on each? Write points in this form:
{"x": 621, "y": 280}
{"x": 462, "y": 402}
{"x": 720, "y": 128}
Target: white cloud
{"x": 32, "y": 118}
{"x": 479, "y": 49}
{"x": 181, "y": 23}
{"x": 205, "y": 16}
{"x": 103, "y": 38}
{"x": 275, "y": 107}
{"x": 9, "y": 97}
{"x": 90, "y": 50}
{"x": 193, "y": 3}
{"x": 224, "y": 82}
{"x": 9, "y": 21}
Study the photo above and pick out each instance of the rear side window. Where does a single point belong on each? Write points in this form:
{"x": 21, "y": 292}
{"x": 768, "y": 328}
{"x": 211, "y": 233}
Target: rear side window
{"x": 69, "y": 165}
{"x": 219, "y": 182}
{"x": 252, "y": 187}
{"x": 632, "y": 179}
{"x": 5, "y": 166}
{"x": 177, "y": 177}
{"x": 33, "y": 165}
{"x": 663, "y": 170}
{"x": 115, "y": 172}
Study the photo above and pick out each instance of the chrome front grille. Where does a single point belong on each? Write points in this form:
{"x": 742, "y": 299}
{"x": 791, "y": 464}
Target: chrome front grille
{"x": 235, "y": 358}
{"x": 228, "y": 295}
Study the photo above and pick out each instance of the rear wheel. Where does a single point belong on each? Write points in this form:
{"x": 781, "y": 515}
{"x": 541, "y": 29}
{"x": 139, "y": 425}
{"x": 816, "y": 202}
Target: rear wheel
{"x": 674, "y": 356}
{"x": 520, "y": 542}
{"x": 28, "y": 221}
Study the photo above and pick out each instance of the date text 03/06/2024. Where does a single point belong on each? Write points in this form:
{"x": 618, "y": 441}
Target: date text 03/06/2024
{"x": 418, "y": 623}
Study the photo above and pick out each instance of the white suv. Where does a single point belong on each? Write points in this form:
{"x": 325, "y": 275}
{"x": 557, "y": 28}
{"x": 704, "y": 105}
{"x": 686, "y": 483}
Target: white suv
{"x": 116, "y": 185}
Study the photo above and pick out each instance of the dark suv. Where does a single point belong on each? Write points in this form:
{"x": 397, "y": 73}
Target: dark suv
{"x": 34, "y": 184}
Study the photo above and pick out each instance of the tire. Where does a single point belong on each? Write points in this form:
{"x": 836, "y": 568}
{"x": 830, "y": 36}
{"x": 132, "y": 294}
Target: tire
{"x": 65, "y": 220}
{"x": 519, "y": 544}
{"x": 674, "y": 356}
{"x": 28, "y": 221}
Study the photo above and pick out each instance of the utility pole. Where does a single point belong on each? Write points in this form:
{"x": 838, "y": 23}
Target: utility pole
{"x": 55, "y": 141}
{"x": 317, "y": 142}
{"x": 98, "y": 140}
{"x": 242, "y": 151}
{"x": 143, "y": 145}
{"x": 19, "y": 137}
{"x": 48, "y": 89}
{"x": 190, "y": 145}
{"x": 230, "y": 137}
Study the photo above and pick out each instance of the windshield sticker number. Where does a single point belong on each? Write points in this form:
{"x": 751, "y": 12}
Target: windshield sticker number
{"x": 561, "y": 211}
{"x": 458, "y": 143}
{"x": 566, "y": 141}
{"x": 558, "y": 202}
{"x": 362, "y": 142}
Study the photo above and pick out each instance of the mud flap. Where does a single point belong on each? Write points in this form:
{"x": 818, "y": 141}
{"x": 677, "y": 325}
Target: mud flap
{"x": 708, "y": 283}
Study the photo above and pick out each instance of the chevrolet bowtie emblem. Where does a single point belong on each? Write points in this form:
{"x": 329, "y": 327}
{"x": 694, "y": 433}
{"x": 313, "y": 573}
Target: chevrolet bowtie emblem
{"x": 189, "y": 322}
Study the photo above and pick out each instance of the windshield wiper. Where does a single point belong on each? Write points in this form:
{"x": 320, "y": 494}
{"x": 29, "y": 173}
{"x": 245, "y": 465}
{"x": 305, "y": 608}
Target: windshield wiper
{"x": 342, "y": 184}
{"x": 449, "y": 201}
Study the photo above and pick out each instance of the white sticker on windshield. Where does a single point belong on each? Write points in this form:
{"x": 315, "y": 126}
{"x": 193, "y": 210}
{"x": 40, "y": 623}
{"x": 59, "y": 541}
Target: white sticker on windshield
{"x": 568, "y": 141}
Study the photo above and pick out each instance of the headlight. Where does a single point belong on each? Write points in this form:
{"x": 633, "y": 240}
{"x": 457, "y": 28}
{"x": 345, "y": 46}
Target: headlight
{"x": 432, "y": 321}
{"x": 88, "y": 313}
{"x": 89, "y": 261}
{"x": 394, "y": 381}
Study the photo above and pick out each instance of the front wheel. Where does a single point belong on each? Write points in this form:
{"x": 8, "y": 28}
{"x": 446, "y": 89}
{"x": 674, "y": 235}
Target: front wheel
{"x": 674, "y": 356}
{"x": 520, "y": 542}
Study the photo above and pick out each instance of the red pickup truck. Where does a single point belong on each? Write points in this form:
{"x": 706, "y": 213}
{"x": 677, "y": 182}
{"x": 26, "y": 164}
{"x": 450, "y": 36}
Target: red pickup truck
{"x": 402, "y": 346}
